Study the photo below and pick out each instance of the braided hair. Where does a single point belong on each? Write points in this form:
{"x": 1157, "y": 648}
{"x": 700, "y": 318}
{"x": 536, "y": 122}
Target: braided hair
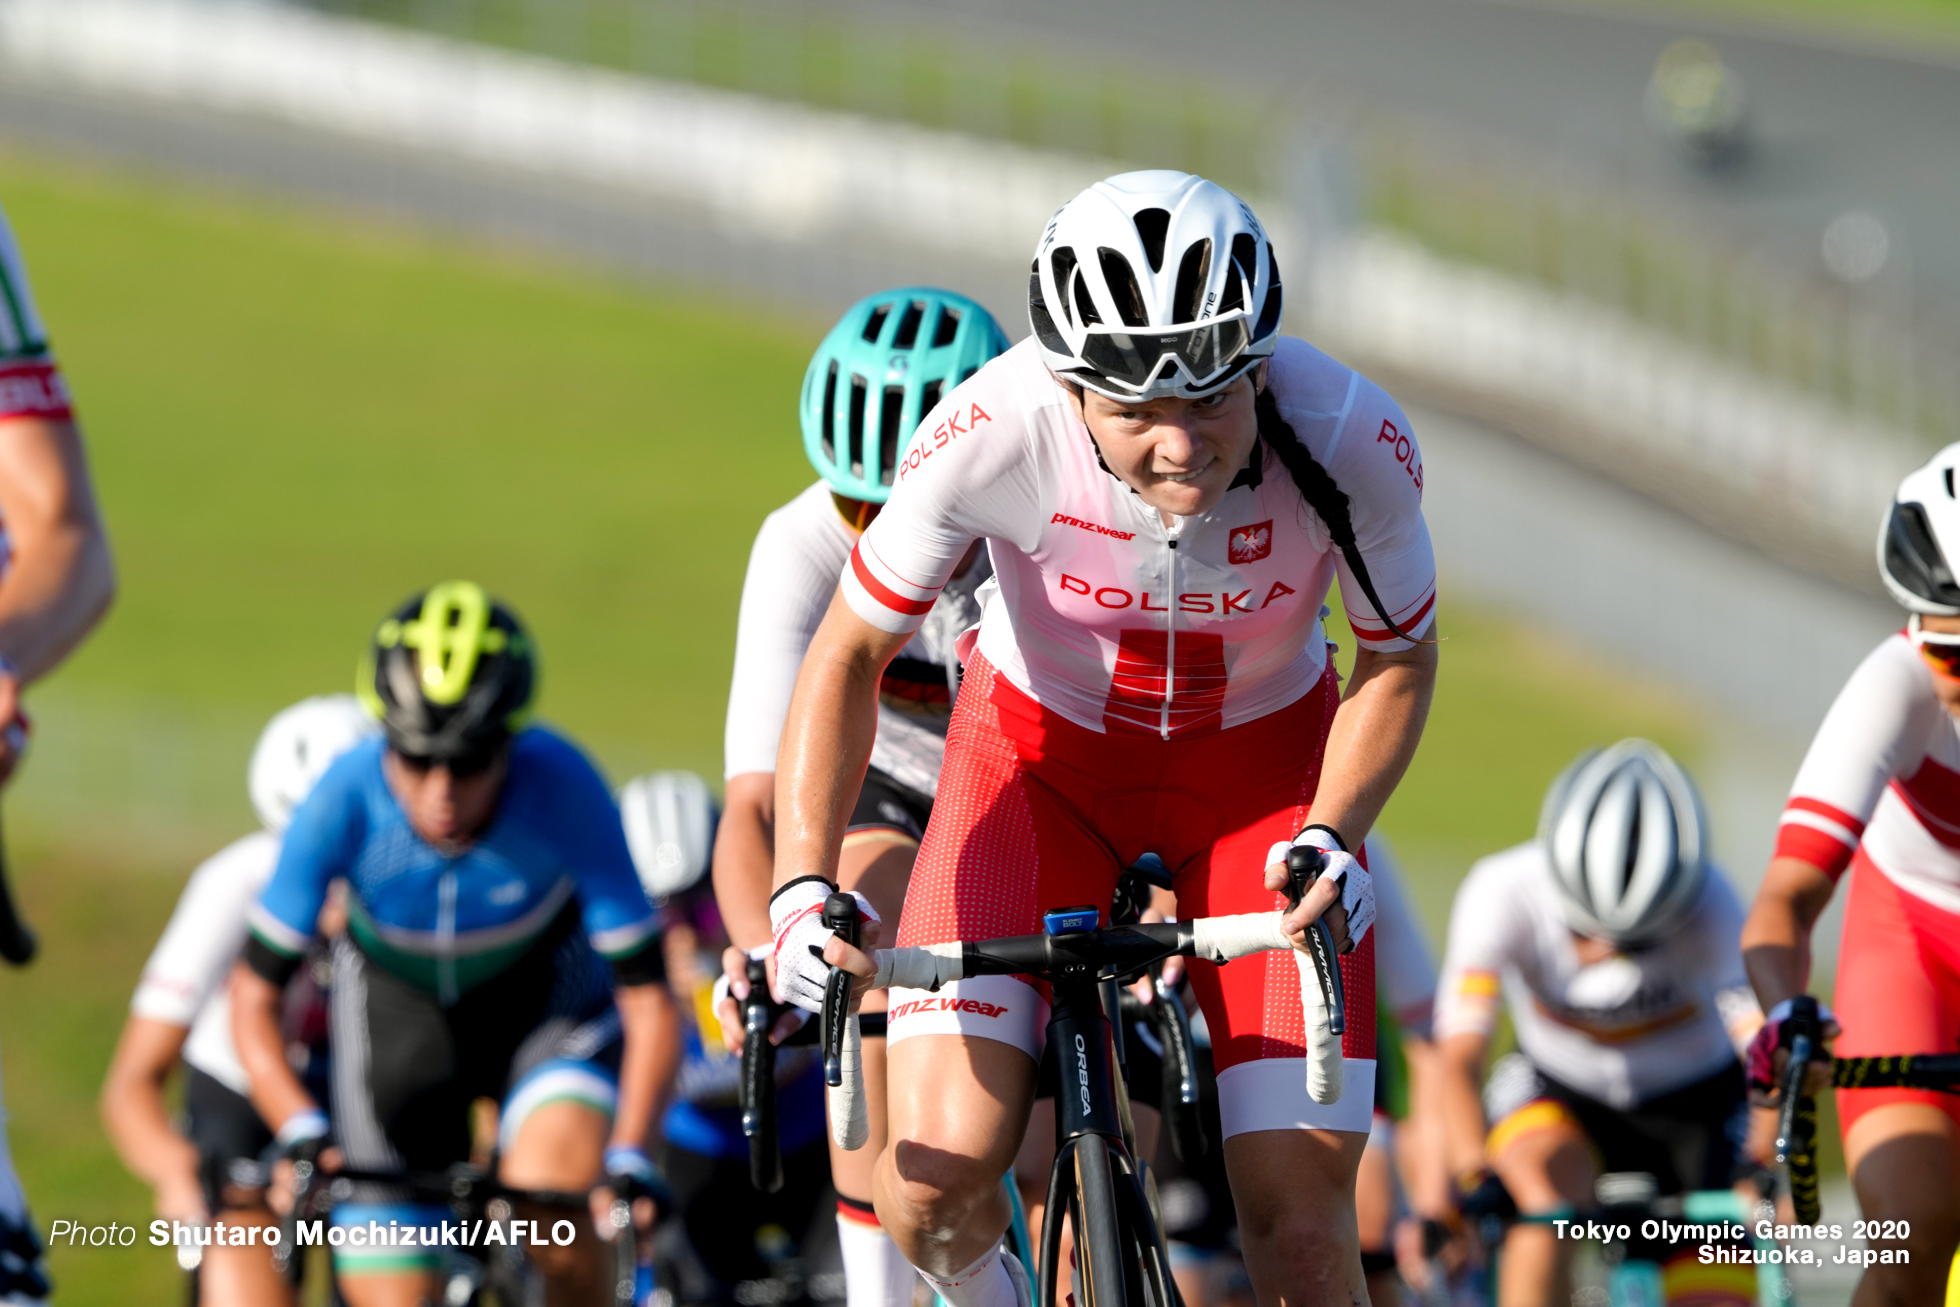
{"x": 1318, "y": 488}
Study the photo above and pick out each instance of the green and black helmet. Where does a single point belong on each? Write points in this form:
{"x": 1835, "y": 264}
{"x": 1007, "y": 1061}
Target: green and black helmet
{"x": 451, "y": 674}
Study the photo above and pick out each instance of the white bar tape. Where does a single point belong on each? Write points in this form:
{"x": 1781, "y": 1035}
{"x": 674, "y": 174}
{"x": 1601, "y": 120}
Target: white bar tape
{"x": 850, "y": 1125}
{"x": 1326, "y": 1070}
{"x": 928, "y": 967}
{"x": 1220, "y": 939}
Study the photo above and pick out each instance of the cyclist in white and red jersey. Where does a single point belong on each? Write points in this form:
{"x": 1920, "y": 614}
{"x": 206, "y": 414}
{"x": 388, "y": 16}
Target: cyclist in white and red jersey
{"x": 1167, "y": 488}
{"x": 886, "y": 364}
{"x": 1879, "y": 794}
{"x": 1614, "y": 942}
{"x": 56, "y": 582}
{"x": 182, "y": 1011}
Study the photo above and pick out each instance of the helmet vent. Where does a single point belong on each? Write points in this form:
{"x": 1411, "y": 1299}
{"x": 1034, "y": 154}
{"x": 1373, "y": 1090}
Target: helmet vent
{"x": 1192, "y": 275}
{"x": 1234, "y": 297}
{"x": 1269, "y": 316}
{"x": 945, "y": 329}
{"x": 1913, "y": 558}
{"x": 891, "y": 414}
{"x": 908, "y": 325}
{"x": 874, "y": 325}
{"x": 1949, "y": 483}
{"x": 929, "y": 396}
{"x": 1123, "y": 288}
{"x": 1153, "y": 225}
{"x": 965, "y": 375}
{"x": 1062, "y": 262}
{"x": 1245, "y": 253}
{"x": 1085, "y": 307}
{"x": 854, "y": 434}
{"x": 1042, "y": 322}
{"x": 829, "y": 412}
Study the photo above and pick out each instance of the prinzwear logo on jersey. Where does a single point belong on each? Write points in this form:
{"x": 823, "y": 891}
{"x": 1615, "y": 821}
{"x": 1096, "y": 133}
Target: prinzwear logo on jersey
{"x": 1249, "y": 544}
{"x": 923, "y": 1005}
{"x": 1078, "y": 523}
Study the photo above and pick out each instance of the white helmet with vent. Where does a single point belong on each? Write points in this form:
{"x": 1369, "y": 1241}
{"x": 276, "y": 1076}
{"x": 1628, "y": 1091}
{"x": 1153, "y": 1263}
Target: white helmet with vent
{"x": 1921, "y": 533}
{"x": 1154, "y": 284}
{"x": 1624, "y": 832}
{"x": 670, "y": 819}
{"x": 296, "y": 748}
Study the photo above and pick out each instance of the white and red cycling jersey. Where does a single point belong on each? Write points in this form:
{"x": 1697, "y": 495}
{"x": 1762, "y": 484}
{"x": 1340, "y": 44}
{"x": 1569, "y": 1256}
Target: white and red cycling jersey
{"x": 1879, "y": 792}
{"x": 792, "y": 578}
{"x": 1883, "y": 772}
{"x": 1107, "y": 617}
{"x": 30, "y": 382}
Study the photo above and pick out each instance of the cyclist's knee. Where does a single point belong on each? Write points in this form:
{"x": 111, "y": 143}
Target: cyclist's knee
{"x": 936, "y": 1189}
{"x": 559, "y": 1145}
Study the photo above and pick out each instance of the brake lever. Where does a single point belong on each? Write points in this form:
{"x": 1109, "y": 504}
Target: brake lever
{"x": 840, "y": 913}
{"x": 1303, "y": 867}
{"x": 759, "y": 1082}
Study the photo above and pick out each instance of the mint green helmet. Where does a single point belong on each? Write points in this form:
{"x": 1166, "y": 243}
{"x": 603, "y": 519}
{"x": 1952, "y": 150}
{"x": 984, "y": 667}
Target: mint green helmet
{"x": 881, "y": 369}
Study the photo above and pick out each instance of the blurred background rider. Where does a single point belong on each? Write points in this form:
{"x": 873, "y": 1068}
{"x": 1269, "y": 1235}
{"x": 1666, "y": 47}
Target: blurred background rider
{"x": 881, "y": 369}
{"x": 211, "y": 1167}
{"x": 56, "y": 582}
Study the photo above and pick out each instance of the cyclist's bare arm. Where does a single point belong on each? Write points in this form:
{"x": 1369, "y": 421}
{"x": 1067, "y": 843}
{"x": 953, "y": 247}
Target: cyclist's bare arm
{"x": 138, "y": 1121}
{"x": 650, "y": 1027}
{"x": 1459, "y": 1065}
{"x": 61, "y": 578}
{"x": 276, "y": 1090}
{"x": 1776, "y": 936}
{"x": 833, "y": 717}
{"x": 1374, "y": 736}
{"x": 745, "y": 854}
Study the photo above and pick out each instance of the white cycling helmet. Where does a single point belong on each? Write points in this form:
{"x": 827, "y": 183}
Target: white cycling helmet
{"x": 670, "y": 819}
{"x": 296, "y": 748}
{"x": 1154, "y": 284}
{"x": 1921, "y": 532}
{"x": 1623, "y": 830}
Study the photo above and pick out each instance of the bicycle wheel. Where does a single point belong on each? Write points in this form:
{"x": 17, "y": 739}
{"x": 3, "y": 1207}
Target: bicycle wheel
{"x": 1109, "y": 1278}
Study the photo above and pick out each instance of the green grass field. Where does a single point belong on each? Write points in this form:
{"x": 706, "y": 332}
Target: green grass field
{"x": 297, "y": 418}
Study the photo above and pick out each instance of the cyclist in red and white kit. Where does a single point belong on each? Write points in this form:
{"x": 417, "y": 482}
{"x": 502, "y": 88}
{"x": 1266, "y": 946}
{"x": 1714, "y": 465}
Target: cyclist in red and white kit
{"x": 1879, "y": 795}
{"x": 1168, "y": 488}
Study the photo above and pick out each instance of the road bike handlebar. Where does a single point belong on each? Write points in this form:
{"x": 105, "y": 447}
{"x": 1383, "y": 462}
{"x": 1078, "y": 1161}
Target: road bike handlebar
{"x": 1796, "y": 1132}
{"x": 1093, "y": 954}
{"x": 759, "y": 1082}
{"x": 843, "y": 1048}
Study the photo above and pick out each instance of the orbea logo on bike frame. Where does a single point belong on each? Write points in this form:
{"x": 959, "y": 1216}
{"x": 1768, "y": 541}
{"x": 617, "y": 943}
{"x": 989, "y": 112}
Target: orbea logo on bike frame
{"x": 1249, "y": 544}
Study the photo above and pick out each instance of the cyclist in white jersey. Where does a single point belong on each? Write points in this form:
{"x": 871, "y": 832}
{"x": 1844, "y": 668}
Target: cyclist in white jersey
{"x": 1879, "y": 794}
{"x": 884, "y": 365}
{"x": 56, "y": 582}
{"x": 1615, "y": 944}
{"x": 1167, "y": 488}
{"x": 182, "y": 1010}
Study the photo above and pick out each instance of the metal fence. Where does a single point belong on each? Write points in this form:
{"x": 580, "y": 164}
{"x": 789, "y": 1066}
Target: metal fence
{"x": 1868, "y": 351}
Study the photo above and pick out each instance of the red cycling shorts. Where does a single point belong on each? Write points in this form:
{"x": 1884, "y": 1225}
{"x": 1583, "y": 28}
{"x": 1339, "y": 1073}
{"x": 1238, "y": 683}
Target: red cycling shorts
{"x": 1036, "y": 813}
{"x": 1898, "y": 986}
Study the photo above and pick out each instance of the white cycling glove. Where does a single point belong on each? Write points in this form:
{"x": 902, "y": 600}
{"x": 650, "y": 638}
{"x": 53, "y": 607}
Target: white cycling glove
{"x": 1357, "y": 886}
{"x": 724, "y": 990}
{"x": 796, "y": 920}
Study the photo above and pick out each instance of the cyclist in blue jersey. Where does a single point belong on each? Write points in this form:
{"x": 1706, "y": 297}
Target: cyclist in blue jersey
{"x": 499, "y": 946}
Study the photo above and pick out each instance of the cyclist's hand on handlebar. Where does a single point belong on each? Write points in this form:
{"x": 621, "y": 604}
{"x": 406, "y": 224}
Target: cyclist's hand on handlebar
{"x": 1767, "y": 1061}
{"x": 796, "y": 921}
{"x": 857, "y": 961}
{"x": 732, "y": 990}
{"x": 1321, "y": 902}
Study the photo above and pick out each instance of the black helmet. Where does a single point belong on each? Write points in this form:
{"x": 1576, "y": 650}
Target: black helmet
{"x": 451, "y": 674}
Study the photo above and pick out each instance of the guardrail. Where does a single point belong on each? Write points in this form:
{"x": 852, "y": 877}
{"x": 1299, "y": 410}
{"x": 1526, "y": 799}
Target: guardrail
{"x": 1722, "y": 378}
